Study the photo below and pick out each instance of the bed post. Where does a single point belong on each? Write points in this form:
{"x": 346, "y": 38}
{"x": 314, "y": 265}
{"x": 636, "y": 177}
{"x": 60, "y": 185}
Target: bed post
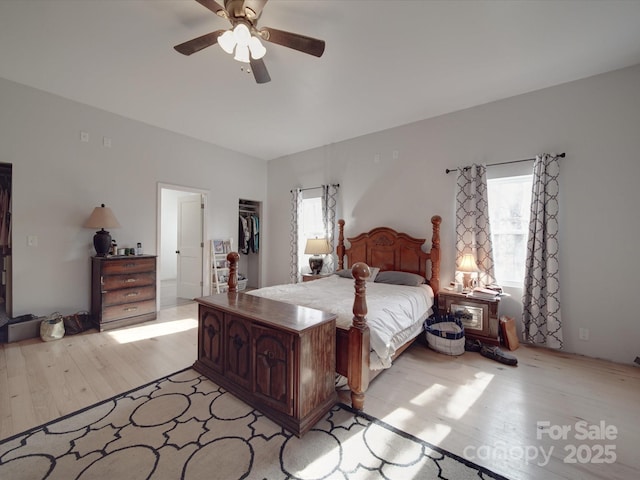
{"x": 233, "y": 259}
{"x": 340, "y": 247}
{"x": 434, "y": 281}
{"x": 358, "y": 367}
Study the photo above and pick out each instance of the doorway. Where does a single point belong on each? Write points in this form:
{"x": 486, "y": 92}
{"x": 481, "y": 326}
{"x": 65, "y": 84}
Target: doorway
{"x": 181, "y": 239}
{"x": 6, "y": 307}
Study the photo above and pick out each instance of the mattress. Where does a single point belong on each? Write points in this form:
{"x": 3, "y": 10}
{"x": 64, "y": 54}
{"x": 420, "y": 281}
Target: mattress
{"x": 396, "y": 313}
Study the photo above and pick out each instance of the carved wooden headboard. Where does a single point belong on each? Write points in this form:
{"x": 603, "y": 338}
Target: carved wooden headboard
{"x": 387, "y": 249}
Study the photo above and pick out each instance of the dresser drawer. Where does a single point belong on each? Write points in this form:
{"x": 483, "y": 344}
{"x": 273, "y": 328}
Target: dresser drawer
{"x": 128, "y": 295}
{"x": 117, "y": 312}
{"x": 115, "y": 282}
{"x": 132, "y": 265}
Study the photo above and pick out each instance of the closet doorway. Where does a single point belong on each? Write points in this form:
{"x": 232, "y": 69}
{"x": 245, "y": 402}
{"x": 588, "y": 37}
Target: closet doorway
{"x": 181, "y": 255}
{"x": 249, "y": 241}
{"x": 6, "y": 307}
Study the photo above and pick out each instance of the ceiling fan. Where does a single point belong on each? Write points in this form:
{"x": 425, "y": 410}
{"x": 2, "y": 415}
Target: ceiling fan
{"x": 244, "y": 36}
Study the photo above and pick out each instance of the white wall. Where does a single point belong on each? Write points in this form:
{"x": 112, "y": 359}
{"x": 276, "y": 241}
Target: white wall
{"x": 397, "y": 178}
{"x": 58, "y": 180}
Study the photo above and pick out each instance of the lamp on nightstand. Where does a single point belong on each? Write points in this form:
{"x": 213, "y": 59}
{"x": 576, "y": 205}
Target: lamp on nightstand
{"x": 102, "y": 217}
{"x": 468, "y": 266}
{"x": 317, "y": 247}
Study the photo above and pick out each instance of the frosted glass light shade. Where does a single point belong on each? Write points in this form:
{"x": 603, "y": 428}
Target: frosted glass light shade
{"x": 242, "y": 53}
{"x": 227, "y": 41}
{"x": 257, "y": 49}
{"x": 242, "y": 34}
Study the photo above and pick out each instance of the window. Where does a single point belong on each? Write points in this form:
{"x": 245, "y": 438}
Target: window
{"x": 509, "y": 210}
{"x": 312, "y": 218}
{"x": 311, "y": 226}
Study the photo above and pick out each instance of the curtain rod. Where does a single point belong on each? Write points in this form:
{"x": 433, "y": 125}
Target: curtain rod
{"x": 313, "y": 188}
{"x": 449, "y": 170}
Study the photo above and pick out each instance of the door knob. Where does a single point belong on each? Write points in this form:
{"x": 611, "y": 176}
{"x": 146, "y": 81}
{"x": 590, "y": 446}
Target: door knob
{"x": 178, "y": 252}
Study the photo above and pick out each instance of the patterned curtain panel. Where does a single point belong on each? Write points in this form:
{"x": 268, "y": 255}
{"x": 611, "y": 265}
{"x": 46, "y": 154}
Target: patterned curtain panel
{"x": 473, "y": 232}
{"x": 296, "y": 209}
{"x": 329, "y": 200}
{"x": 541, "y": 296}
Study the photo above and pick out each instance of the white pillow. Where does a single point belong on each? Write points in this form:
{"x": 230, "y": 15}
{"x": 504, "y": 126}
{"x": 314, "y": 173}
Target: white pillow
{"x": 346, "y": 273}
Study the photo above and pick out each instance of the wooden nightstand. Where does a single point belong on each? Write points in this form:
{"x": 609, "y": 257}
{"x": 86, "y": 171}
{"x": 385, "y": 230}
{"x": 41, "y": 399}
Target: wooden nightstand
{"x": 309, "y": 277}
{"x": 480, "y": 317}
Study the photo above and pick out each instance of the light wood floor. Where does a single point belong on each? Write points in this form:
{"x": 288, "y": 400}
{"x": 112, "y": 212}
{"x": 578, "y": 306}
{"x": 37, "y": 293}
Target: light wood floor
{"x": 474, "y": 407}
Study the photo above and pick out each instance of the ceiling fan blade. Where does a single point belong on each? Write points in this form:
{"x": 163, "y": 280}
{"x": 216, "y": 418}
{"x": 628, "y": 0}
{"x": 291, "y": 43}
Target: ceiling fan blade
{"x": 254, "y": 6}
{"x": 214, "y": 6}
{"x": 197, "y": 44}
{"x": 259, "y": 70}
{"x": 302, "y": 43}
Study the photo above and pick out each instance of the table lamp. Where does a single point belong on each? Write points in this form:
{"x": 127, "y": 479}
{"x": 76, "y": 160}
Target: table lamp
{"x": 468, "y": 266}
{"x": 317, "y": 247}
{"x": 102, "y": 217}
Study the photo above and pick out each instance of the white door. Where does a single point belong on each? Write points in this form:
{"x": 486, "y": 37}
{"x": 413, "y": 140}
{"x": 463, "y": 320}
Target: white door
{"x": 190, "y": 248}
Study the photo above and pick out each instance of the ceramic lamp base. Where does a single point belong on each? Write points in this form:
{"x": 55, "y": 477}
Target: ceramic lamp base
{"x": 102, "y": 243}
{"x": 315, "y": 263}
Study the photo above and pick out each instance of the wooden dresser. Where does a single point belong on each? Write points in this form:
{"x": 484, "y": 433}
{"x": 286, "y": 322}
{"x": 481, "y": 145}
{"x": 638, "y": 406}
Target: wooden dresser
{"x": 123, "y": 290}
{"x": 277, "y": 357}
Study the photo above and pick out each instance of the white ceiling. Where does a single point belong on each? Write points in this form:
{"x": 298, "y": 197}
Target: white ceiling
{"x": 386, "y": 63}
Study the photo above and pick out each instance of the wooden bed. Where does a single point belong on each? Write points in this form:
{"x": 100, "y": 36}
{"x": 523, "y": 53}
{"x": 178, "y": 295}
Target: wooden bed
{"x": 387, "y": 250}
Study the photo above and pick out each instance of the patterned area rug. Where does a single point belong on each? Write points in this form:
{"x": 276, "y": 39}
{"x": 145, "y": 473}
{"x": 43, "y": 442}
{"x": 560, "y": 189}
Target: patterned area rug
{"x": 184, "y": 426}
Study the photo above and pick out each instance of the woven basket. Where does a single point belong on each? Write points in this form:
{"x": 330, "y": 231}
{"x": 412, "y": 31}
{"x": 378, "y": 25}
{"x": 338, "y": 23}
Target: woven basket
{"x": 52, "y": 327}
{"x": 445, "y": 334}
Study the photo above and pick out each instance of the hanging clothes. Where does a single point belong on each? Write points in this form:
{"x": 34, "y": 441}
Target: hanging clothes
{"x": 244, "y": 235}
{"x": 255, "y": 233}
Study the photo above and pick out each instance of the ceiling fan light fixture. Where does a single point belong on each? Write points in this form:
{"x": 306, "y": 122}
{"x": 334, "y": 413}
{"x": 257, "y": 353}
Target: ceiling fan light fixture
{"x": 242, "y": 34}
{"x": 242, "y": 53}
{"x": 257, "y": 49}
{"x": 227, "y": 41}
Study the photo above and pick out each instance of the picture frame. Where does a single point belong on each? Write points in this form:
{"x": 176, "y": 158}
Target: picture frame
{"x": 218, "y": 246}
{"x": 470, "y": 316}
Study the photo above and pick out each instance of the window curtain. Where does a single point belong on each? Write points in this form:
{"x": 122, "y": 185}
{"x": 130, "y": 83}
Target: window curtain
{"x": 473, "y": 231}
{"x": 294, "y": 239}
{"x": 541, "y": 296}
{"x": 329, "y": 196}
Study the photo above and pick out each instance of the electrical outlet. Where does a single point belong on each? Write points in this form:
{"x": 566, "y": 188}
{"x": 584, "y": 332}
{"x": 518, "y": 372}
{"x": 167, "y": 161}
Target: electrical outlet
{"x": 583, "y": 334}
{"x": 32, "y": 241}
{"x": 84, "y": 137}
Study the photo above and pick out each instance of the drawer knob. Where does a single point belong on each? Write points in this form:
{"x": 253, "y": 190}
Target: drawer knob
{"x": 130, "y": 280}
{"x": 132, "y": 294}
{"x": 130, "y": 309}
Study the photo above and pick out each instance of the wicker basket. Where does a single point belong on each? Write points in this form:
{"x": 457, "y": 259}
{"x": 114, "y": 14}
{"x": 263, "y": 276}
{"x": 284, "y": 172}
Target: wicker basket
{"x": 445, "y": 334}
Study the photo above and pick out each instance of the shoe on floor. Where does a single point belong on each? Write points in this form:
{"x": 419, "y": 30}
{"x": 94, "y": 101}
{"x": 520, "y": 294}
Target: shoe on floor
{"x": 471, "y": 345}
{"x": 495, "y": 353}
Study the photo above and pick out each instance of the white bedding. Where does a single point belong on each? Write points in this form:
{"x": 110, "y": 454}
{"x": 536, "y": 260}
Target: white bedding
{"x": 395, "y": 314}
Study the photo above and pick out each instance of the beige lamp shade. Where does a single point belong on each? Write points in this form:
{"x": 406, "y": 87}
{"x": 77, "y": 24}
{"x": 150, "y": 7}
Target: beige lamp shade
{"x": 468, "y": 264}
{"x": 317, "y": 246}
{"x": 102, "y": 217}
